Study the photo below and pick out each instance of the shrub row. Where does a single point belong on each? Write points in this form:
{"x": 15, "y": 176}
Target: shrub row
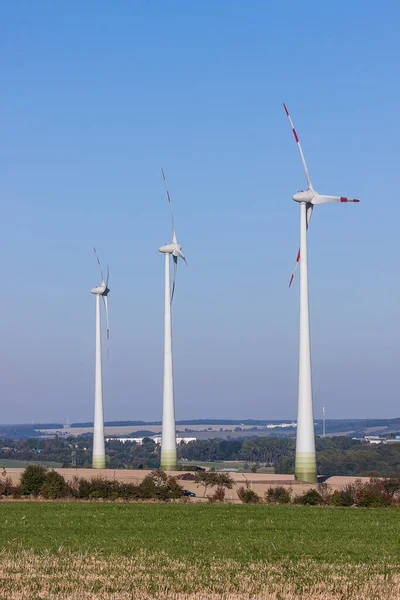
{"x": 36, "y": 481}
{"x": 375, "y": 493}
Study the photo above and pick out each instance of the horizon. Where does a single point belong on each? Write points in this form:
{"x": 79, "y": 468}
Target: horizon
{"x": 205, "y": 421}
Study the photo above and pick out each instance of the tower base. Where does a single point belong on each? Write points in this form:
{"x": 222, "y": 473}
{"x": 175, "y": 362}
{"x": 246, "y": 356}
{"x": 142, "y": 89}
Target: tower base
{"x": 99, "y": 462}
{"x": 168, "y": 460}
{"x": 306, "y": 467}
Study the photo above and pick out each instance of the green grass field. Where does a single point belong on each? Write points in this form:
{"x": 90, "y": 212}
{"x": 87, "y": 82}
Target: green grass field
{"x": 21, "y": 464}
{"x": 119, "y": 551}
{"x": 219, "y": 465}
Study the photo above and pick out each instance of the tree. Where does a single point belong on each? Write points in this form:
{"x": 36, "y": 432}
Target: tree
{"x": 54, "y": 486}
{"x": 32, "y": 479}
{"x": 206, "y": 479}
{"x": 209, "y": 479}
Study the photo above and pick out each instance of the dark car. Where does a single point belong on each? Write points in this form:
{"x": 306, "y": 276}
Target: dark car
{"x": 188, "y": 493}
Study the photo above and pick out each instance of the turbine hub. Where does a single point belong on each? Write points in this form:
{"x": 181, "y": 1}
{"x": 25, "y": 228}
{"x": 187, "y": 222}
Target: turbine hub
{"x": 304, "y": 196}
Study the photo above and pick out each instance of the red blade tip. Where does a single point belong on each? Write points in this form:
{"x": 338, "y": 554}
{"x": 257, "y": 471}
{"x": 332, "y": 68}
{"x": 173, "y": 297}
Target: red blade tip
{"x": 286, "y": 110}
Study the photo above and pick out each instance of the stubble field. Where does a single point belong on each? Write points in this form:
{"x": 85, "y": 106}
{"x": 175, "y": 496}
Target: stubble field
{"x": 119, "y": 551}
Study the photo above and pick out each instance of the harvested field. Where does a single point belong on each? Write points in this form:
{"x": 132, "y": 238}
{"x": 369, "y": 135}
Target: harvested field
{"x": 146, "y": 577}
{"x": 177, "y": 551}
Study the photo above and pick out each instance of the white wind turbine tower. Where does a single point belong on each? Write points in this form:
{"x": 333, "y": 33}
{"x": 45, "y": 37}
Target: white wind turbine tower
{"x": 306, "y": 466}
{"x": 168, "y": 436}
{"x": 99, "y": 455}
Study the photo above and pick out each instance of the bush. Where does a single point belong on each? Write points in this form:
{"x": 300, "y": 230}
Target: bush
{"x": 17, "y": 492}
{"x": 160, "y": 486}
{"x": 218, "y": 495}
{"x": 174, "y": 489}
{"x": 80, "y": 487}
{"x": 155, "y": 485}
{"x": 373, "y": 494}
{"x": 325, "y": 493}
{"x": 247, "y": 496}
{"x": 6, "y": 484}
{"x": 129, "y": 491}
{"x": 54, "y": 486}
{"x": 100, "y": 487}
{"x": 392, "y": 487}
{"x": 310, "y": 497}
{"x": 32, "y": 479}
{"x": 278, "y": 495}
{"x": 342, "y": 498}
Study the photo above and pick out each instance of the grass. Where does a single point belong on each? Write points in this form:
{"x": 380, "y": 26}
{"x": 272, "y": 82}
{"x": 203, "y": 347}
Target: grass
{"x": 118, "y": 551}
{"x": 219, "y": 465}
{"x": 21, "y": 464}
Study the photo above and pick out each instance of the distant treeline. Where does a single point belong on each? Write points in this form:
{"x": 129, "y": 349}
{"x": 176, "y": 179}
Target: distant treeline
{"x": 335, "y": 456}
{"x": 355, "y": 427}
{"x": 26, "y": 431}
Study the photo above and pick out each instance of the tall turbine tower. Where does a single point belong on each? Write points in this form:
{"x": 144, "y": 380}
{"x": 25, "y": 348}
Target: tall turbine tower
{"x": 99, "y": 455}
{"x": 168, "y": 436}
{"x": 306, "y": 466}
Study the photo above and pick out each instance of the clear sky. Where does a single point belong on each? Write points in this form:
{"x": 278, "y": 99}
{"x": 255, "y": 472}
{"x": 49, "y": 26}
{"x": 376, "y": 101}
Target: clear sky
{"x": 96, "y": 97}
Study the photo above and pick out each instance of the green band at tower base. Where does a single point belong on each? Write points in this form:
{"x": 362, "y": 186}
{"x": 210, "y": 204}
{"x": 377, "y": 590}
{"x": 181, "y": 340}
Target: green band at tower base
{"x": 99, "y": 462}
{"x": 306, "y": 467}
{"x": 168, "y": 460}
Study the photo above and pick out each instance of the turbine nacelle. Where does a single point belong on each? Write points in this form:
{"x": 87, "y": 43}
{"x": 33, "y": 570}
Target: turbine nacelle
{"x": 304, "y": 196}
{"x": 100, "y": 290}
{"x": 170, "y": 248}
{"x": 173, "y": 248}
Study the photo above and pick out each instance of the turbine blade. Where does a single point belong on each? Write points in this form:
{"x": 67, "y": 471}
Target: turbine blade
{"x": 170, "y": 207}
{"x": 318, "y": 199}
{"x": 183, "y": 257}
{"x": 99, "y": 263}
{"x": 309, "y": 213}
{"x": 105, "y": 300}
{"x": 108, "y": 275}
{"x": 294, "y": 268}
{"x": 296, "y": 137}
{"x": 174, "y": 282}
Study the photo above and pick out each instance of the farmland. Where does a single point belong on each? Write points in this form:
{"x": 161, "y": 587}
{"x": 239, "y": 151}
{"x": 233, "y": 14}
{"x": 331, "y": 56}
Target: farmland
{"x": 99, "y": 550}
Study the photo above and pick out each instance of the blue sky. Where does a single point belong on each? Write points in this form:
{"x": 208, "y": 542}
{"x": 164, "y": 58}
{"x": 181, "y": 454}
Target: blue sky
{"x": 96, "y": 98}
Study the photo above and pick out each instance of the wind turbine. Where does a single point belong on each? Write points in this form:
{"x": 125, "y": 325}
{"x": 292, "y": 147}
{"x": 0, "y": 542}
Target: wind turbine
{"x": 306, "y": 466}
{"x": 168, "y": 437}
{"x": 99, "y": 455}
